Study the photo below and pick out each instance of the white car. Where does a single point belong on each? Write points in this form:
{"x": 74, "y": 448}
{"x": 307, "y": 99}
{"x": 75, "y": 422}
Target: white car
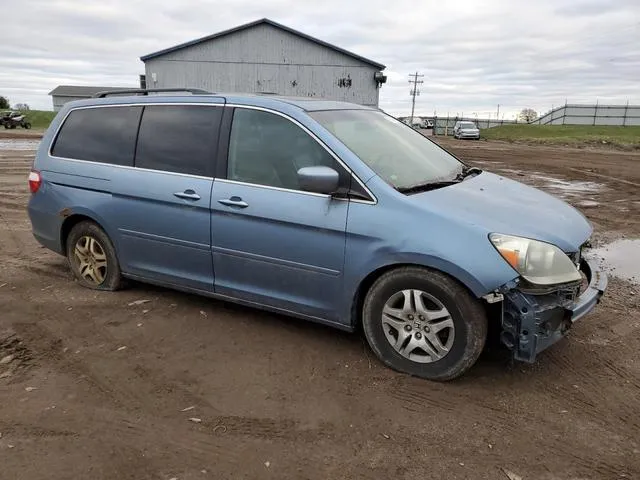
{"x": 466, "y": 130}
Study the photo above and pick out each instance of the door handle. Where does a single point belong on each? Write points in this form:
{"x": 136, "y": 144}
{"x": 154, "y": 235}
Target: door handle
{"x": 187, "y": 195}
{"x": 234, "y": 202}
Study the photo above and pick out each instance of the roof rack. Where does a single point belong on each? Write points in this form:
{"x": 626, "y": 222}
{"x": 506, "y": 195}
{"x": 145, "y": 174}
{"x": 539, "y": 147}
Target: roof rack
{"x": 195, "y": 91}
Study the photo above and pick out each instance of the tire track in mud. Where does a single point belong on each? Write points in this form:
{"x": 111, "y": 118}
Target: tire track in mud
{"x": 131, "y": 387}
{"x": 466, "y": 407}
{"x": 122, "y": 399}
{"x": 36, "y": 265}
{"x": 210, "y": 440}
{"x": 608, "y": 405}
{"x": 25, "y": 430}
{"x": 10, "y": 245}
{"x": 138, "y": 389}
{"x": 15, "y": 206}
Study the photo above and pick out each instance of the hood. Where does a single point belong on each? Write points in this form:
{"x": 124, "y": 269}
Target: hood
{"x": 497, "y": 204}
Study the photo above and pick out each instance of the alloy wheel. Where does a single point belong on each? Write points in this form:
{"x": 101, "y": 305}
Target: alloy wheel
{"x": 91, "y": 260}
{"x": 418, "y": 326}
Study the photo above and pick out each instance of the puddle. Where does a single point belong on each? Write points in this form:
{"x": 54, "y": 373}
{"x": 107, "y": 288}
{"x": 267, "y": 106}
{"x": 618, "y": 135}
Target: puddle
{"x": 621, "y": 259}
{"x": 19, "y": 144}
{"x": 568, "y": 188}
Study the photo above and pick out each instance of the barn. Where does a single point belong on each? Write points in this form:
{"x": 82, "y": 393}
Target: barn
{"x": 270, "y": 58}
{"x": 68, "y": 93}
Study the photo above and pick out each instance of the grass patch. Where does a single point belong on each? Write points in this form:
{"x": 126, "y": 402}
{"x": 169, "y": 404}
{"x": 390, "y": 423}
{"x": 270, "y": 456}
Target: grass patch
{"x": 625, "y": 137}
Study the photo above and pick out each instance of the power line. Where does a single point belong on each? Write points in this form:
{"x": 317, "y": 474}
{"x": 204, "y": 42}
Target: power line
{"x": 414, "y": 92}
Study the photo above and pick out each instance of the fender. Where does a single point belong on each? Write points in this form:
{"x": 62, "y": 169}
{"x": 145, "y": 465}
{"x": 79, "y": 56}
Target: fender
{"x": 381, "y": 262}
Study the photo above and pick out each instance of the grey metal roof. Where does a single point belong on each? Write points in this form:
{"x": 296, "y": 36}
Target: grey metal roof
{"x": 80, "y": 91}
{"x": 253, "y": 24}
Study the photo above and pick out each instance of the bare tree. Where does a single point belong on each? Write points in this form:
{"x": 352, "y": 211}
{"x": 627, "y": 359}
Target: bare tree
{"x": 528, "y": 115}
{"x": 21, "y": 107}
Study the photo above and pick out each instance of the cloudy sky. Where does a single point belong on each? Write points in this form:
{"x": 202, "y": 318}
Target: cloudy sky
{"x": 475, "y": 54}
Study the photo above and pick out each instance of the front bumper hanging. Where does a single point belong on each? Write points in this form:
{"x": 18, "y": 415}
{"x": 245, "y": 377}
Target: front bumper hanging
{"x": 532, "y": 323}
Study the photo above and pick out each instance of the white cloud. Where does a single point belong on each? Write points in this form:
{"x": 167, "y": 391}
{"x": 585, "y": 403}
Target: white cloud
{"x": 474, "y": 54}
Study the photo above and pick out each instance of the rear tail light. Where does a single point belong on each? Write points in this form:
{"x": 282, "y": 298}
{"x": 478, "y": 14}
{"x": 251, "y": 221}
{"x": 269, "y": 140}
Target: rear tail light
{"x": 35, "y": 180}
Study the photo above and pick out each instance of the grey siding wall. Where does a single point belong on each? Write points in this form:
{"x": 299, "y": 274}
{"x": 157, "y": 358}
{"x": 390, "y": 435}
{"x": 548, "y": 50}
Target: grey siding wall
{"x": 266, "y": 59}
{"x": 58, "y": 102}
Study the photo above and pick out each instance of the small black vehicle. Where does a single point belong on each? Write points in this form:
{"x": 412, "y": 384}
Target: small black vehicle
{"x": 14, "y": 120}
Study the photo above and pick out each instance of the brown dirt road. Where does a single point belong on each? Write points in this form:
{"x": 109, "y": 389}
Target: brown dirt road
{"x": 281, "y": 398}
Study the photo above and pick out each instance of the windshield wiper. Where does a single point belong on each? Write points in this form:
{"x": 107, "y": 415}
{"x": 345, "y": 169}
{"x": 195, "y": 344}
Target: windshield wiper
{"x": 424, "y": 187}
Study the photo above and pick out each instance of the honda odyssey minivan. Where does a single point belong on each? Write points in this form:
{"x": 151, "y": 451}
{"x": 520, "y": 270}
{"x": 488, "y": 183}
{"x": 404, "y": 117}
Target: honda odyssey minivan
{"x": 326, "y": 211}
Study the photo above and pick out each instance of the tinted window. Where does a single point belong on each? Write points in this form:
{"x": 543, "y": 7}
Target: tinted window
{"x": 106, "y": 135}
{"x": 267, "y": 149}
{"x": 181, "y": 139}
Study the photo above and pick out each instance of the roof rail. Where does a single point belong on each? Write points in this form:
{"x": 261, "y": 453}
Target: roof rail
{"x": 195, "y": 91}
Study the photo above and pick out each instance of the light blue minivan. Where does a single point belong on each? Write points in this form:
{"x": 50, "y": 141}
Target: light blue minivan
{"x": 323, "y": 210}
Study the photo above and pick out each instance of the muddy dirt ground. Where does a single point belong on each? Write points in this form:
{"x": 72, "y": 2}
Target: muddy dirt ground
{"x": 98, "y": 387}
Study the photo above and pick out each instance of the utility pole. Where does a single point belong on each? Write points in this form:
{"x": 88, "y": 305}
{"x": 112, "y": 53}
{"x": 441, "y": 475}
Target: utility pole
{"x": 498, "y": 113}
{"x": 414, "y": 91}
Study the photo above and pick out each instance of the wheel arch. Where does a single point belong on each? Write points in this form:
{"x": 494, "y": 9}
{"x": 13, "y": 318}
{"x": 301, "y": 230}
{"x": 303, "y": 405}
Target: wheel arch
{"x": 71, "y": 221}
{"x": 464, "y": 278}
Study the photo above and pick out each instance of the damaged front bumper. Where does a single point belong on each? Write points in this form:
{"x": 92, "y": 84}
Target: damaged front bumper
{"x": 532, "y": 323}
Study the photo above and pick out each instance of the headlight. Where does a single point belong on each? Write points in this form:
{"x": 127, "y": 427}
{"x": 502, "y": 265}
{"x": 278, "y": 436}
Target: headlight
{"x": 539, "y": 263}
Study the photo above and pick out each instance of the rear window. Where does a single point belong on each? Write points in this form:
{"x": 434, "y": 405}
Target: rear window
{"x": 105, "y": 135}
{"x": 181, "y": 139}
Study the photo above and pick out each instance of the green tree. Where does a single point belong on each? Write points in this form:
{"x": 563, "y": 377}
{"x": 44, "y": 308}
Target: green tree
{"x": 4, "y": 103}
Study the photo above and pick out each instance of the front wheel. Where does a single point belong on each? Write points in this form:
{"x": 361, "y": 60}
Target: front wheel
{"x": 26, "y": 125}
{"x": 424, "y": 323}
{"x": 92, "y": 257}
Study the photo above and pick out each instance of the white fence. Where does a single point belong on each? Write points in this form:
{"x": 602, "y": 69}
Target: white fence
{"x": 571, "y": 114}
{"x": 444, "y": 125}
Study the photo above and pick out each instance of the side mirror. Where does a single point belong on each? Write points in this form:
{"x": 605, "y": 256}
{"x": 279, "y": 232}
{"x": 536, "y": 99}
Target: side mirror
{"x": 318, "y": 179}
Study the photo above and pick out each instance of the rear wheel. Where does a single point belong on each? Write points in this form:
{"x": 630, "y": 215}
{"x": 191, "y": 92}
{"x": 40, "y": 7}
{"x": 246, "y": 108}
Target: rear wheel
{"x": 92, "y": 257}
{"x": 424, "y": 323}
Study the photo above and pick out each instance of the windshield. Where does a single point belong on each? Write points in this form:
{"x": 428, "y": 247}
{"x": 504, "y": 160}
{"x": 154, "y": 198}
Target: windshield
{"x": 467, "y": 125}
{"x": 397, "y": 153}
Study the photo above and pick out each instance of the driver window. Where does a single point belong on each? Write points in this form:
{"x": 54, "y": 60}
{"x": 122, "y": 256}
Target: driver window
{"x": 267, "y": 149}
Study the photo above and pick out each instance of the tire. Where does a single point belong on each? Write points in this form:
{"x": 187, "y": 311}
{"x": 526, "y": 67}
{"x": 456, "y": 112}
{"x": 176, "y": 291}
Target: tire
{"x": 458, "y": 345}
{"x": 26, "y": 125}
{"x": 95, "y": 247}
{"x": 6, "y": 126}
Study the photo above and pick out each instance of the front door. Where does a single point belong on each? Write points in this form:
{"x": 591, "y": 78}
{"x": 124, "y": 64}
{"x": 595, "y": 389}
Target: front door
{"x": 272, "y": 243}
{"x": 162, "y": 205}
